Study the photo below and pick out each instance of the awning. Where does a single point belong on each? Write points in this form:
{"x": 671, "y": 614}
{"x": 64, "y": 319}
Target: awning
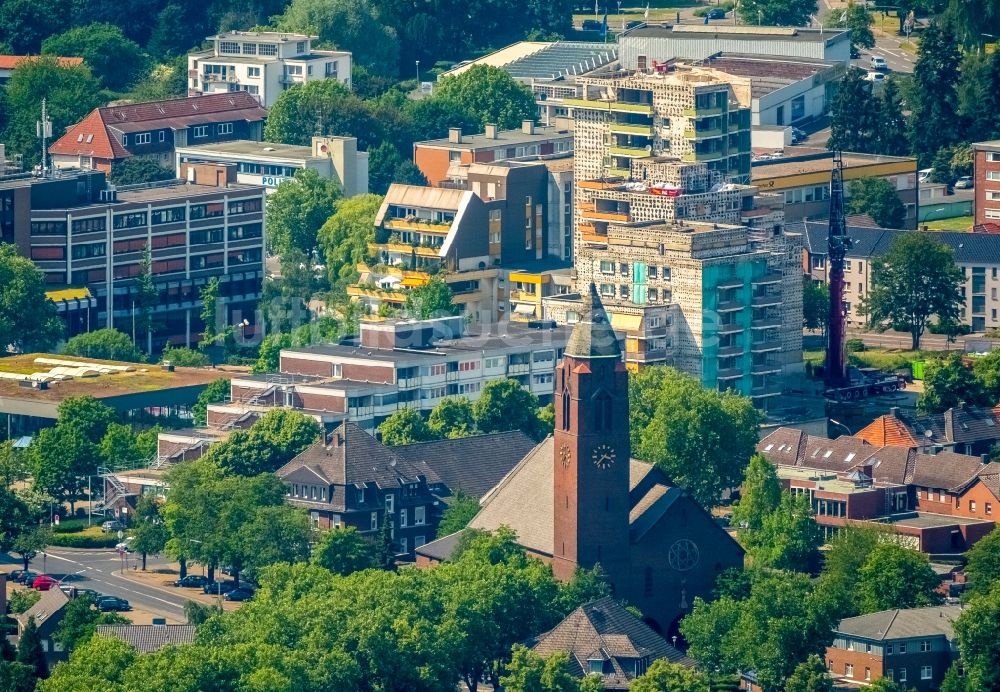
{"x": 626, "y": 323}
{"x": 68, "y": 294}
{"x": 413, "y": 282}
{"x": 524, "y": 308}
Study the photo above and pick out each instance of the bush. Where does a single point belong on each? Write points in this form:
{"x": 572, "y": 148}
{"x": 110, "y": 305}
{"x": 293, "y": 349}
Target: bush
{"x": 855, "y": 345}
{"x": 956, "y": 329}
{"x": 22, "y": 599}
{"x": 76, "y": 540}
{"x": 185, "y": 357}
{"x": 727, "y": 6}
{"x": 70, "y": 526}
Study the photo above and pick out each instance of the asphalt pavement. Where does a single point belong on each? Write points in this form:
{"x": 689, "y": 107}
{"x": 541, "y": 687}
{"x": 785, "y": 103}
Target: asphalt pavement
{"x": 101, "y": 570}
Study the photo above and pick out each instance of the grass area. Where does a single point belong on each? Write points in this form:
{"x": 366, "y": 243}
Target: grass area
{"x": 659, "y": 11}
{"x": 959, "y": 223}
{"x": 874, "y": 358}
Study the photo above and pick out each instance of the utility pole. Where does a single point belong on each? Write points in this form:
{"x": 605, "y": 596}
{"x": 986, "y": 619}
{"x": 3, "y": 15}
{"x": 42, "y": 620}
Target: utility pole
{"x": 43, "y": 130}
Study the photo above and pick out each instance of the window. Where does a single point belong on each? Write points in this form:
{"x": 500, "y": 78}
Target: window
{"x": 143, "y": 138}
{"x": 993, "y": 175}
{"x": 163, "y": 135}
{"x": 992, "y": 213}
{"x": 48, "y": 227}
{"x": 133, "y": 220}
{"x": 212, "y": 261}
{"x": 300, "y": 47}
{"x": 390, "y": 502}
{"x": 124, "y": 140}
{"x": 925, "y": 644}
{"x": 245, "y": 232}
{"x": 250, "y": 49}
{"x": 229, "y": 47}
{"x": 993, "y": 196}
{"x": 868, "y": 673}
{"x": 989, "y": 508}
{"x": 849, "y": 670}
{"x": 993, "y": 156}
{"x": 608, "y": 290}
{"x": 602, "y": 412}
{"x": 902, "y": 647}
{"x": 224, "y": 129}
{"x": 245, "y": 206}
{"x": 403, "y": 518}
{"x": 972, "y": 505}
{"x": 171, "y": 215}
{"x": 99, "y": 223}
{"x": 607, "y": 267}
{"x": 201, "y": 131}
{"x": 207, "y": 211}
{"x": 89, "y": 250}
{"x": 267, "y": 49}
{"x": 331, "y": 70}
{"x": 888, "y": 649}
{"x": 206, "y": 236}
{"x": 419, "y": 516}
{"x": 902, "y": 674}
{"x": 374, "y": 521}
{"x": 926, "y": 672}
{"x": 48, "y": 253}
{"x": 253, "y": 72}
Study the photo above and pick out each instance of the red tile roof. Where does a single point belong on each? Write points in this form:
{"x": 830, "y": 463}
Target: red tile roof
{"x": 888, "y": 431}
{"x": 95, "y": 134}
{"x": 9, "y": 62}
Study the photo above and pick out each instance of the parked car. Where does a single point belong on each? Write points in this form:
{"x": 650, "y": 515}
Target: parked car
{"x": 14, "y": 576}
{"x": 964, "y": 183}
{"x": 591, "y": 25}
{"x": 112, "y": 603}
{"x": 924, "y": 174}
{"x": 123, "y": 547}
{"x": 633, "y": 24}
{"x": 798, "y": 135}
{"x": 876, "y": 77}
{"x": 716, "y": 13}
{"x": 43, "y": 582}
{"x": 216, "y": 588}
{"x": 78, "y": 592}
{"x": 27, "y": 577}
{"x": 192, "y": 581}
{"x": 240, "y": 594}
{"x": 855, "y": 53}
{"x": 111, "y": 526}
{"x": 879, "y": 63}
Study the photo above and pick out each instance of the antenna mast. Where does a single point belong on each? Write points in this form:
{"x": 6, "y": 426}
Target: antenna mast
{"x": 43, "y": 130}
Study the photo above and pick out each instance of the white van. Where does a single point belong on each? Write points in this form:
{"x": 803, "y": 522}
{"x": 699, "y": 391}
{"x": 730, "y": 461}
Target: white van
{"x": 879, "y": 63}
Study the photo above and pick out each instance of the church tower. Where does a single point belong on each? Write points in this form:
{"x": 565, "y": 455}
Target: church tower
{"x": 591, "y": 451}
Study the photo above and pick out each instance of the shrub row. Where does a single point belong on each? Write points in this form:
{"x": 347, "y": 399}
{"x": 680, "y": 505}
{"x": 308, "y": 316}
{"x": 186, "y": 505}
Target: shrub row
{"x": 72, "y": 540}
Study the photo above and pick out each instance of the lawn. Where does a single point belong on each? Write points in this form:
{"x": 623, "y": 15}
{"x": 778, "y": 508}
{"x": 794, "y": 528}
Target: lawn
{"x": 959, "y": 223}
{"x": 874, "y": 358}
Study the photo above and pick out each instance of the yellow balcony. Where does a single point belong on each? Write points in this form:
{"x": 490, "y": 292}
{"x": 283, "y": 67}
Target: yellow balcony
{"x": 702, "y": 156}
{"x": 605, "y": 215}
{"x": 628, "y": 129}
{"x": 523, "y": 296}
{"x": 633, "y": 152}
{"x": 594, "y": 238}
{"x": 385, "y": 295}
{"x": 702, "y": 134}
{"x": 419, "y": 226}
{"x": 405, "y": 249}
{"x": 622, "y": 107}
{"x": 618, "y": 172}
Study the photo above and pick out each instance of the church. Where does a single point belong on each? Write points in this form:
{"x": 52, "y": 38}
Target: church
{"x": 579, "y": 499}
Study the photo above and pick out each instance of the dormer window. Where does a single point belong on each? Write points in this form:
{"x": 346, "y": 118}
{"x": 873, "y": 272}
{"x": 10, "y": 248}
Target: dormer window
{"x": 361, "y": 496}
{"x": 595, "y": 665}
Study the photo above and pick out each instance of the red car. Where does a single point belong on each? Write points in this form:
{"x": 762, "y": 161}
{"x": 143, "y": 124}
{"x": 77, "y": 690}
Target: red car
{"x": 43, "y": 583}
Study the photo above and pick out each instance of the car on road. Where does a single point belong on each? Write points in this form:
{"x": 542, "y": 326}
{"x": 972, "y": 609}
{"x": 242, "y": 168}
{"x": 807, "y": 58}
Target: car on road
{"x": 716, "y": 13}
{"x": 964, "y": 183}
{"x": 879, "y": 63}
{"x": 591, "y": 25}
{"x": 855, "y": 53}
{"x": 112, "y": 603}
{"x": 123, "y": 547}
{"x": 240, "y": 594}
{"x": 78, "y": 591}
{"x": 216, "y": 588}
{"x": 111, "y": 526}
{"x": 191, "y": 581}
{"x": 27, "y": 577}
{"x": 876, "y": 77}
{"x": 44, "y": 582}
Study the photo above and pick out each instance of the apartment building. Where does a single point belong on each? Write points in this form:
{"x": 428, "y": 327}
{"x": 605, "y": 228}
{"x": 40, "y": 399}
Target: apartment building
{"x": 490, "y": 242}
{"x": 710, "y": 299}
{"x": 802, "y": 176}
{"x": 938, "y": 503}
{"x": 986, "y": 166}
{"x": 447, "y": 161}
{"x": 396, "y": 364}
{"x": 977, "y": 254}
{"x": 270, "y": 163}
{"x": 154, "y": 128}
{"x": 85, "y": 235}
{"x": 263, "y": 64}
{"x": 913, "y": 647}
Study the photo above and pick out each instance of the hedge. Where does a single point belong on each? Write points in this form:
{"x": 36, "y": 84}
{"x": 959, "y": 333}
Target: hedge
{"x": 72, "y": 540}
{"x": 71, "y": 525}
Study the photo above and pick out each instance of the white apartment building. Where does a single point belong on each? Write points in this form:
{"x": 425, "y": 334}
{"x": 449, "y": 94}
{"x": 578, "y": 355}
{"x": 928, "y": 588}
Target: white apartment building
{"x": 263, "y": 64}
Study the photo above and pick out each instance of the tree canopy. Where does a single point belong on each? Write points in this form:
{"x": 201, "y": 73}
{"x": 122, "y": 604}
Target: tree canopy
{"x": 404, "y": 427}
{"x": 267, "y": 445}
{"x": 28, "y": 320}
{"x": 777, "y": 12}
{"x": 896, "y": 577}
{"x": 433, "y": 299}
{"x": 948, "y": 383}
{"x": 934, "y": 106}
{"x": 345, "y": 236}
{"x": 104, "y": 344}
{"x": 877, "y": 197}
{"x": 115, "y": 59}
{"x": 490, "y": 95}
{"x": 297, "y": 210}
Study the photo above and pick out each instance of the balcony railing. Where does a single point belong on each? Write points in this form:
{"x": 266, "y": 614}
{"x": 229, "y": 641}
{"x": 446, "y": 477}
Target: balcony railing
{"x": 765, "y": 345}
{"x": 729, "y": 306}
{"x": 730, "y": 351}
{"x": 616, "y": 172}
{"x": 729, "y": 374}
{"x": 631, "y": 129}
{"x": 403, "y": 248}
{"x": 702, "y": 134}
{"x": 766, "y": 323}
{"x": 765, "y": 300}
{"x": 414, "y": 225}
{"x": 771, "y": 277}
{"x": 730, "y": 328}
{"x": 764, "y": 368}
{"x": 604, "y": 215}
{"x": 734, "y": 282}
{"x": 702, "y": 156}
{"x": 633, "y": 152}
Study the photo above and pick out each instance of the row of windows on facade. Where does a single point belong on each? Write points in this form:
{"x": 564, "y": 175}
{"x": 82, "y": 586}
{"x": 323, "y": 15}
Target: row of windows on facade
{"x": 640, "y": 295}
{"x": 156, "y": 217}
{"x": 409, "y": 490}
{"x": 266, "y": 169}
{"x": 926, "y": 672}
{"x": 236, "y": 258}
{"x": 198, "y": 131}
{"x": 99, "y": 249}
{"x": 640, "y": 269}
{"x": 942, "y": 497}
{"x": 266, "y": 49}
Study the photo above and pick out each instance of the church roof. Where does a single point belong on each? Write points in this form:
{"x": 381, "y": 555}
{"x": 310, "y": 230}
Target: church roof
{"x": 592, "y": 336}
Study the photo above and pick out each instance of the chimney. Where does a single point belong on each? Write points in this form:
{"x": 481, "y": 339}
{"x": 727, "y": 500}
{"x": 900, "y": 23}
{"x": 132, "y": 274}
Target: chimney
{"x": 894, "y": 411}
{"x": 491, "y": 131}
{"x": 985, "y": 458}
{"x": 455, "y": 135}
{"x": 528, "y": 127}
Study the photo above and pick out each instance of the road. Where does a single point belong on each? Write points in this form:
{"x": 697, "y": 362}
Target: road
{"x": 101, "y": 570}
{"x": 928, "y": 342}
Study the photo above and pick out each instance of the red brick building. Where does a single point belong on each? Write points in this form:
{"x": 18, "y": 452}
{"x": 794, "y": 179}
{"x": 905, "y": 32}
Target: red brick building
{"x": 986, "y": 162}
{"x": 914, "y": 647}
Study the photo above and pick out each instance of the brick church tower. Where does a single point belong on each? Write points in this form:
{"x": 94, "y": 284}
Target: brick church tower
{"x": 591, "y": 451}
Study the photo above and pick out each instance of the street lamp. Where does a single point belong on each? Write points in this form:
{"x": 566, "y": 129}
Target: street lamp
{"x": 243, "y": 330}
{"x": 841, "y": 425}
{"x": 418, "y": 74}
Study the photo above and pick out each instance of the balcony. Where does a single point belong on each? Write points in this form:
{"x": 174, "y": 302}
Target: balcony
{"x": 523, "y": 296}
{"x": 626, "y": 107}
{"x": 765, "y": 323}
{"x": 606, "y": 216}
{"x": 766, "y": 300}
{"x": 733, "y": 282}
{"x": 405, "y": 249}
{"x": 702, "y": 134}
{"x": 616, "y": 172}
{"x": 730, "y": 351}
{"x": 771, "y": 277}
{"x": 632, "y": 129}
{"x": 729, "y": 374}
{"x": 701, "y": 112}
{"x": 384, "y": 294}
{"x": 765, "y": 345}
{"x": 229, "y": 78}
{"x": 702, "y": 156}
{"x": 764, "y": 368}
{"x": 633, "y": 152}
{"x": 730, "y": 328}
{"x": 594, "y": 238}
{"x": 765, "y": 390}
{"x": 415, "y": 225}
{"x": 729, "y": 306}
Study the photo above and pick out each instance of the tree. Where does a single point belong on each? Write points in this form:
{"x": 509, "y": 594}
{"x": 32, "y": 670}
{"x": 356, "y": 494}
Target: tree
{"x": 854, "y": 124}
{"x": 529, "y": 672}
{"x": 351, "y": 25}
{"x": 98, "y": 664}
{"x": 211, "y": 319}
{"x": 183, "y": 357}
{"x": 934, "y": 108}
{"x": 28, "y": 320}
{"x": 25, "y": 23}
{"x": 387, "y": 166}
{"x": 345, "y": 236}
{"x": 978, "y": 633}
{"x": 30, "y": 651}
{"x": 948, "y": 383}
{"x": 433, "y": 299}
{"x": 664, "y": 676}
{"x": 216, "y": 391}
{"x": 877, "y": 197}
{"x": 16, "y": 677}
{"x": 86, "y": 415}
{"x": 13, "y": 465}
{"x": 297, "y": 209}
{"x": 404, "y": 427}
{"x": 702, "y": 439}
{"x": 916, "y": 279}
{"x": 270, "y": 443}
{"x": 343, "y": 551}
{"x": 104, "y": 344}
{"x": 506, "y": 405}
{"x": 842, "y": 562}
{"x": 777, "y": 12}
{"x": 149, "y": 534}
{"x": 173, "y": 33}
{"x": 896, "y": 577}
{"x": 789, "y": 537}
{"x": 432, "y": 118}
{"x": 856, "y": 18}
{"x": 116, "y": 60}
{"x": 31, "y": 541}
{"x": 983, "y": 563}
{"x": 198, "y": 614}
{"x": 891, "y": 138}
{"x": 760, "y": 495}
{"x": 979, "y": 95}
{"x": 135, "y": 170}
{"x": 69, "y": 92}
{"x": 815, "y": 304}
{"x": 810, "y": 676}
{"x": 458, "y": 514}
{"x": 321, "y": 107}
{"x": 451, "y": 418}
{"x": 121, "y": 447}
{"x": 80, "y": 620}
{"x": 61, "y": 458}
{"x": 490, "y": 95}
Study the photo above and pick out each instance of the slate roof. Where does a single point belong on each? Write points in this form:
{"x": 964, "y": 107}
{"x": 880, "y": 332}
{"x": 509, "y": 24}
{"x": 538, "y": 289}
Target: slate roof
{"x": 593, "y": 336}
{"x": 958, "y": 425}
{"x": 604, "y": 629}
{"x": 99, "y": 134}
{"x": 147, "y": 638}
{"x": 902, "y": 623}
{"x": 471, "y": 464}
{"x": 969, "y": 248}
{"x": 350, "y": 456}
{"x": 51, "y": 602}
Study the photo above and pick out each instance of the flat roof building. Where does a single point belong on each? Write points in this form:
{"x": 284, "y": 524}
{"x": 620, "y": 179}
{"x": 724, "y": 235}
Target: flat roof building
{"x": 986, "y": 167}
{"x": 270, "y": 163}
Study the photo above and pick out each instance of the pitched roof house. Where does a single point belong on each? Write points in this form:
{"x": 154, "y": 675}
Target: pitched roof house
{"x": 602, "y": 637}
{"x": 148, "y": 638}
{"x": 152, "y": 129}
{"x": 47, "y": 614}
{"x": 963, "y": 429}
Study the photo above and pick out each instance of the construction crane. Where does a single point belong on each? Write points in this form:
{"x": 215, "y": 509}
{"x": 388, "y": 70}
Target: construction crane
{"x": 838, "y": 243}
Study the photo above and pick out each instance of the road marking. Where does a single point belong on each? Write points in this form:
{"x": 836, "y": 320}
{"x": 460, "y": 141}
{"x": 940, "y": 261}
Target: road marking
{"x": 112, "y": 574}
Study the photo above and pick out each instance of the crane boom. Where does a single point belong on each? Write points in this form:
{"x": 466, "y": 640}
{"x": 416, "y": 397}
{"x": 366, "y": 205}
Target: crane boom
{"x": 838, "y": 243}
